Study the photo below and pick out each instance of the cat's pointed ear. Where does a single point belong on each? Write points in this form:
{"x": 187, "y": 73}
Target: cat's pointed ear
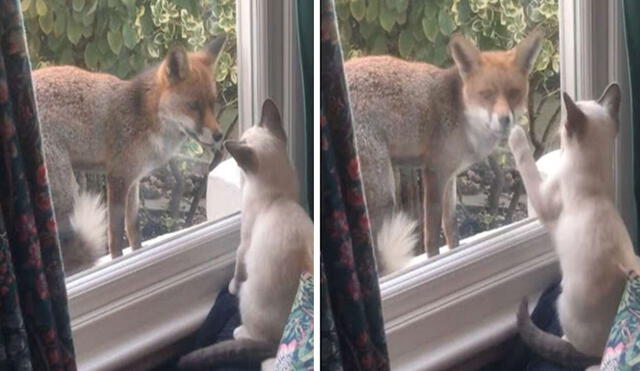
{"x": 271, "y": 120}
{"x": 464, "y": 54}
{"x": 576, "y": 119}
{"x": 243, "y": 154}
{"x": 610, "y": 100}
{"x": 528, "y": 49}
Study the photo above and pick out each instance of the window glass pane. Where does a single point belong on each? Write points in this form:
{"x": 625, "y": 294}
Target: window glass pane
{"x": 423, "y": 121}
{"x": 163, "y": 128}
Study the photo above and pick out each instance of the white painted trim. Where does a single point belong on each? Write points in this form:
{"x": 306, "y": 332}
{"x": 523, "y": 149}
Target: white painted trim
{"x": 275, "y": 72}
{"x": 152, "y": 297}
{"x": 441, "y": 311}
{"x": 568, "y": 50}
{"x": 249, "y": 58}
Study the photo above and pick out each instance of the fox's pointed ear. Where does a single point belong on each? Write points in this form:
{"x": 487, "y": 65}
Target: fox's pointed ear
{"x": 243, "y": 154}
{"x": 464, "y": 53}
{"x": 576, "y": 119}
{"x": 610, "y": 100}
{"x": 528, "y": 49}
{"x": 177, "y": 64}
{"x": 271, "y": 120}
{"x": 213, "y": 50}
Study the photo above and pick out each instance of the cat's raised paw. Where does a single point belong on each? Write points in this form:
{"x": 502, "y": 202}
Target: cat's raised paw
{"x": 518, "y": 139}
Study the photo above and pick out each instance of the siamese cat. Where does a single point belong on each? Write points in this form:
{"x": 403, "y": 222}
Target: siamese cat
{"x": 576, "y": 205}
{"x": 276, "y": 246}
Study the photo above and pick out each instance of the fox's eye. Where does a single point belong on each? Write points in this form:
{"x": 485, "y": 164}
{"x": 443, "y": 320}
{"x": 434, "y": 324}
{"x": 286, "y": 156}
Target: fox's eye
{"x": 194, "y": 105}
{"x": 488, "y": 94}
{"x": 514, "y": 94}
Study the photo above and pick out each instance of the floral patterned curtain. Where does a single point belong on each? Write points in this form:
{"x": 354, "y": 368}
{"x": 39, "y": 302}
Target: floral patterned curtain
{"x": 352, "y": 328}
{"x": 35, "y": 332}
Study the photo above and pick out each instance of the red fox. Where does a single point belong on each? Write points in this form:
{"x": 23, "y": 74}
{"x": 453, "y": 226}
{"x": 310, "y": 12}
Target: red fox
{"x": 440, "y": 120}
{"x": 97, "y": 122}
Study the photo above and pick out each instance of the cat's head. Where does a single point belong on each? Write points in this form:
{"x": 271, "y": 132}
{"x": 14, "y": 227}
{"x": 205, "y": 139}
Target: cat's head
{"x": 590, "y": 125}
{"x": 261, "y": 151}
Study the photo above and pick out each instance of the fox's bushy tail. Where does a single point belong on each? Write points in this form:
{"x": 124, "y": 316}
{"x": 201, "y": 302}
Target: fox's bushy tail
{"x": 549, "y": 346}
{"x": 236, "y": 353}
{"x": 89, "y": 226}
{"x": 396, "y": 240}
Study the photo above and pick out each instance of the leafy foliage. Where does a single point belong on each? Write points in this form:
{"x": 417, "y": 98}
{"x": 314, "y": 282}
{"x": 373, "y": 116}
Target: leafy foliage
{"x": 123, "y": 37}
{"x": 420, "y": 30}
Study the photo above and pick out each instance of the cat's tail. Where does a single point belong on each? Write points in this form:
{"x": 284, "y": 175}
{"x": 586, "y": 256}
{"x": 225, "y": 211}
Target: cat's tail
{"x": 548, "y": 346}
{"x": 396, "y": 240}
{"x": 89, "y": 229}
{"x": 236, "y": 353}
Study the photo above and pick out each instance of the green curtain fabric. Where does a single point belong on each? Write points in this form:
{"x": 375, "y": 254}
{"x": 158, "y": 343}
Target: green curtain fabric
{"x": 632, "y": 27}
{"x": 305, "y": 40}
{"x": 35, "y": 331}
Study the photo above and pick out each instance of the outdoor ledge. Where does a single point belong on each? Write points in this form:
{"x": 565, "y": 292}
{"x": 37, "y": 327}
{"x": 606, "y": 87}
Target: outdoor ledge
{"x": 224, "y": 190}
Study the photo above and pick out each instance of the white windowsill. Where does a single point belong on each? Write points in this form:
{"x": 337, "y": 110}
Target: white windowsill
{"x": 153, "y": 297}
{"x": 438, "y": 313}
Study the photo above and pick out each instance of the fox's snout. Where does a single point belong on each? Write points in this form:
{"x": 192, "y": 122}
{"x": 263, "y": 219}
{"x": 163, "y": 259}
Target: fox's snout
{"x": 505, "y": 122}
{"x": 211, "y": 127}
{"x": 503, "y": 114}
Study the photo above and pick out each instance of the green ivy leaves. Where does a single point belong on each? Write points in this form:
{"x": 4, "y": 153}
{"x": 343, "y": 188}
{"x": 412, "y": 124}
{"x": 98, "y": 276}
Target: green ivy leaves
{"x": 420, "y": 29}
{"x": 114, "y": 38}
{"x": 123, "y": 37}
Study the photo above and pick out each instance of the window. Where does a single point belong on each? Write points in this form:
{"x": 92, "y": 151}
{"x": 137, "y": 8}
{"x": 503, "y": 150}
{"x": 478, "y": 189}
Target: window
{"x": 124, "y": 39}
{"x": 440, "y": 312}
{"x": 189, "y": 264}
{"x": 425, "y": 155}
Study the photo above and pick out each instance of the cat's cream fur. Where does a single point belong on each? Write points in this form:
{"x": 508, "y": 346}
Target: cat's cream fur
{"x": 276, "y": 246}
{"x": 276, "y": 234}
{"x": 576, "y": 205}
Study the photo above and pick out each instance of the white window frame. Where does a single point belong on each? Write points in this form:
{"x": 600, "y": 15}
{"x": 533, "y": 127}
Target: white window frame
{"x": 441, "y": 312}
{"x": 135, "y": 312}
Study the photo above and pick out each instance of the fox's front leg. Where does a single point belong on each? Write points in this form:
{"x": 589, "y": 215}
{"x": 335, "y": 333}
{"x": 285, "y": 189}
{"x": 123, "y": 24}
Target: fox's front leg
{"x": 116, "y": 196}
{"x": 529, "y": 172}
{"x": 131, "y": 216}
{"x": 240, "y": 273}
{"x": 433, "y": 188}
{"x": 449, "y": 223}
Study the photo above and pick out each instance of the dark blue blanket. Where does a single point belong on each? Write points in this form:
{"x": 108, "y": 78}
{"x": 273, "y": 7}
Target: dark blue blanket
{"x": 219, "y": 325}
{"x": 518, "y": 356}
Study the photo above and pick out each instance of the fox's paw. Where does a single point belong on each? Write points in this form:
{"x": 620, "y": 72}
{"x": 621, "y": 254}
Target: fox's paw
{"x": 518, "y": 140}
